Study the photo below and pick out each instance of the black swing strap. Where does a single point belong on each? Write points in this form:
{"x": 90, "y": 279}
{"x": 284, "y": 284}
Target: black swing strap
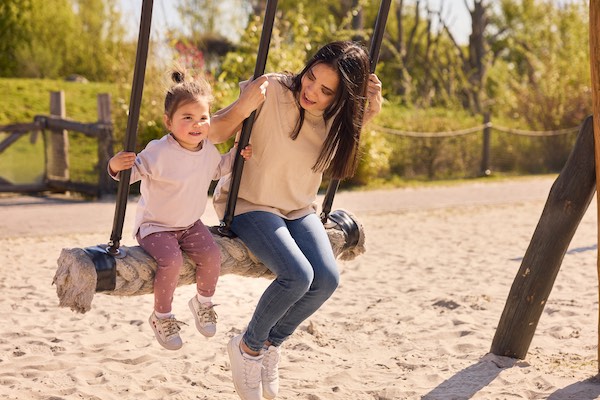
{"x": 238, "y": 163}
{"x": 135, "y": 103}
{"x": 376, "y": 40}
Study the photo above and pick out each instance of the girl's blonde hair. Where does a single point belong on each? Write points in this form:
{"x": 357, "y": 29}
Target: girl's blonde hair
{"x": 185, "y": 89}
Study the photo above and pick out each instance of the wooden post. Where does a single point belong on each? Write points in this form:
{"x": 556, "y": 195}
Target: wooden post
{"x": 567, "y": 202}
{"x": 106, "y": 185}
{"x": 595, "y": 76}
{"x": 57, "y": 150}
{"x": 485, "y": 156}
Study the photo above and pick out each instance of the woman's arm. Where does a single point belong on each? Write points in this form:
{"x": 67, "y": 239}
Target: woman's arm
{"x": 374, "y": 98}
{"x": 227, "y": 121}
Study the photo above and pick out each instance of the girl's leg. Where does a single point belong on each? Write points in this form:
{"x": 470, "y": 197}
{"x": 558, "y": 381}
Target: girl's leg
{"x": 198, "y": 243}
{"x": 312, "y": 239}
{"x": 268, "y": 237}
{"x": 164, "y": 248}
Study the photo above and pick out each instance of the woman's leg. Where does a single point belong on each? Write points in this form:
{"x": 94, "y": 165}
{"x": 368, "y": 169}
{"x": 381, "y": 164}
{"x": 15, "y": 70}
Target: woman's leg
{"x": 268, "y": 238}
{"x": 312, "y": 239}
{"x": 300, "y": 255}
{"x": 164, "y": 248}
{"x": 198, "y": 243}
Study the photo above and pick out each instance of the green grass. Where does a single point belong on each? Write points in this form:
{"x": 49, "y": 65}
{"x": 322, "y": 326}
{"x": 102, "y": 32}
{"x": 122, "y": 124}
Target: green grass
{"x": 23, "y": 162}
{"x": 23, "y": 99}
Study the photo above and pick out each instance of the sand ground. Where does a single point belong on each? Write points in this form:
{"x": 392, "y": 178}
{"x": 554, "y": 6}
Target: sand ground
{"x": 413, "y": 318}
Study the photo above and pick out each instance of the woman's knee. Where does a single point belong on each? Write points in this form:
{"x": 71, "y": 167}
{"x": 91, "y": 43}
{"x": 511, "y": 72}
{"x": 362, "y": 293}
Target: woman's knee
{"x": 328, "y": 280}
{"x": 297, "y": 280}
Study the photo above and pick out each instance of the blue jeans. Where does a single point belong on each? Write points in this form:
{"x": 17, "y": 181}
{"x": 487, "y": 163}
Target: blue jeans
{"x": 299, "y": 253}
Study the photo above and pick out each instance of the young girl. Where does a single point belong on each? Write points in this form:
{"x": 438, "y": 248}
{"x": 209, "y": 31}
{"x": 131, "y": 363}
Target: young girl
{"x": 175, "y": 173}
{"x": 310, "y": 123}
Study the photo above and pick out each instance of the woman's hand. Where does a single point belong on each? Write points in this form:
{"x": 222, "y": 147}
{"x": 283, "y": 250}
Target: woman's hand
{"x": 374, "y": 98}
{"x": 253, "y": 95}
{"x": 227, "y": 121}
{"x": 121, "y": 161}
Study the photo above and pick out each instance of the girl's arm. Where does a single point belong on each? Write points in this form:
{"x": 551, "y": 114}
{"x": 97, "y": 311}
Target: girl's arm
{"x": 121, "y": 161}
{"x": 224, "y": 123}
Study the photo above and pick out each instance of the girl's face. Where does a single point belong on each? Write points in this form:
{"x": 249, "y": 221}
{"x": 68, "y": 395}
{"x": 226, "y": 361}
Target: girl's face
{"x": 190, "y": 123}
{"x": 319, "y": 86}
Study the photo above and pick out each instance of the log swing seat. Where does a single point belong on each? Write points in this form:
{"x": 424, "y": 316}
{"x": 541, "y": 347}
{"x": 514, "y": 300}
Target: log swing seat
{"x": 128, "y": 271}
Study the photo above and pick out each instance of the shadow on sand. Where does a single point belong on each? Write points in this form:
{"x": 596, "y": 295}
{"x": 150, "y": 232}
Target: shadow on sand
{"x": 588, "y": 389}
{"x": 466, "y": 383}
{"x": 471, "y": 380}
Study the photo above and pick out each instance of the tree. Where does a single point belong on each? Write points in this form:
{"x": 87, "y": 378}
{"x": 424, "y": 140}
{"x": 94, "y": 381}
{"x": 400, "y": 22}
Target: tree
{"x": 71, "y": 37}
{"x": 421, "y": 65}
{"x": 544, "y": 65}
{"x": 14, "y": 32}
{"x": 50, "y": 32}
{"x": 100, "y": 53}
{"x": 548, "y": 62}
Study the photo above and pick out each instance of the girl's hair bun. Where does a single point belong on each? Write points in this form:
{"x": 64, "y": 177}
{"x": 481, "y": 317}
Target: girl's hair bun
{"x": 178, "y": 76}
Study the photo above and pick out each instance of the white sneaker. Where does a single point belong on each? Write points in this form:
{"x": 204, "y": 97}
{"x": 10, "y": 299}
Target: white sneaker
{"x": 166, "y": 331}
{"x": 205, "y": 317}
{"x": 270, "y": 372}
{"x": 245, "y": 371}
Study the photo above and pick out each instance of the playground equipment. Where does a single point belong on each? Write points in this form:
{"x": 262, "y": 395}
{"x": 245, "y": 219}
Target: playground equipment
{"x": 117, "y": 270}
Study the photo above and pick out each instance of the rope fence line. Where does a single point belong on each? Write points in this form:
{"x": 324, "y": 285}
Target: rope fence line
{"x": 536, "y": 133}
{"x": 430, "y": 134}
{"x": 474, "y": 129}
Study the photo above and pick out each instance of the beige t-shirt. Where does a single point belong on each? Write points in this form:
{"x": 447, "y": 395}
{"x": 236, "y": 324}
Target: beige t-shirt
{"x": 278, "y": 178}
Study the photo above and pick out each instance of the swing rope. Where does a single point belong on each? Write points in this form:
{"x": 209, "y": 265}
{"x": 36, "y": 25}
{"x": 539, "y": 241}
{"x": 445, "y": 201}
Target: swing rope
{"x": 135, "y": 103}
{"x": 376, "y": 39}
{"x": 238, "y": 164}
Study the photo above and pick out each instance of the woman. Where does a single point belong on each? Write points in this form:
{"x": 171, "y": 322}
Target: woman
{"x": 309, "y": 124}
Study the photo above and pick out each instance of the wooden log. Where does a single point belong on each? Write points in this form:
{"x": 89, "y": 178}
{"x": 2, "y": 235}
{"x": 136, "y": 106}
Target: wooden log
{"x": 76, "y": 276}
{"x": 567, "y": 202}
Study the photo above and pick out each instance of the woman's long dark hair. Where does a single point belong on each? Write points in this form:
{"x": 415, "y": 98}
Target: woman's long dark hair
{"x": 339, "y": 155}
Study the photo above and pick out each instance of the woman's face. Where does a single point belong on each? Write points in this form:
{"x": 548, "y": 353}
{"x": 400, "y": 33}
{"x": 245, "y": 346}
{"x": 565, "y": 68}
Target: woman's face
{"x": 319, "y": 86}
{"x": 190, "y": 123}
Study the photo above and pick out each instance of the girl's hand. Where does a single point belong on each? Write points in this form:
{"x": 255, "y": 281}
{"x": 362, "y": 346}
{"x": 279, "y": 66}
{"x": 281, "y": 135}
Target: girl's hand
{"x": 253, "y": 95}
{"x": 246, "y": 152}
{"x": 121, "y": 161}
{"x": 374, "y": 97}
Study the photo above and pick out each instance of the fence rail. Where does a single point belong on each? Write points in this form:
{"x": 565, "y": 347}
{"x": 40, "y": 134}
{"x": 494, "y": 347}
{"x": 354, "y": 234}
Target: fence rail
{"x": 55, "y": 128}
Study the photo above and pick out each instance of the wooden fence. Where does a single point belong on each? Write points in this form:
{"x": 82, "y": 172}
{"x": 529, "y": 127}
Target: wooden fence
{"x": 54, "y": 129}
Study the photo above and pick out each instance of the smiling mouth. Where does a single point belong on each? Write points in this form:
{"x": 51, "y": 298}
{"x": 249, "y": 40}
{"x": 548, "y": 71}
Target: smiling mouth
{"x": 306, "y": 100}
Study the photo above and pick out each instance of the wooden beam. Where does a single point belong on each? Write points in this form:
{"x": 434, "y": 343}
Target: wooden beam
{"x": 569, "y": 198}
{"x": 595, "y": 76}
{"x": 89, "y": 129}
